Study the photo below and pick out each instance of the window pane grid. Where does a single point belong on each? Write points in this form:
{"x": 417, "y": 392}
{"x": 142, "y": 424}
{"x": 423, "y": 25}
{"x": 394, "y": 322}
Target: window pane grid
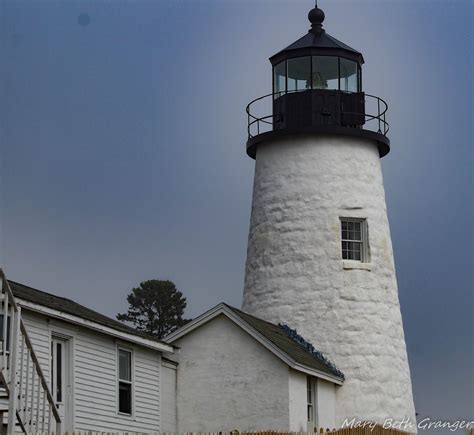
{"x": 352, "y": 236}
{"x": 125, "y": 381}
{"x": 351, "y": 250}
{"x": 352, "y": 240}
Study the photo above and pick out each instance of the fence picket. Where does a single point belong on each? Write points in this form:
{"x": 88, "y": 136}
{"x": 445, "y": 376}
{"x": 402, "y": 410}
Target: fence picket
{"x": 365, "y": 429}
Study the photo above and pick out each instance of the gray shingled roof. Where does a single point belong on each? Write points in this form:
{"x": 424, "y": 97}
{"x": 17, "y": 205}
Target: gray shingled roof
{"x": 280, "y": 337}
{"x": 319, "y": 40}
{"x": 68, "y": 306}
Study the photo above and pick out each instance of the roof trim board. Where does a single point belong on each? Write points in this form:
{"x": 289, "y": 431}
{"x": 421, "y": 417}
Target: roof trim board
{"x": 156, "y": 345}
{"x": 223, "y": 309}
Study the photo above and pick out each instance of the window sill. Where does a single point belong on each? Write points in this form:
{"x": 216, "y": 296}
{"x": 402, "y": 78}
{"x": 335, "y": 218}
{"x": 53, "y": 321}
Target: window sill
{"x": 351, "y": 264}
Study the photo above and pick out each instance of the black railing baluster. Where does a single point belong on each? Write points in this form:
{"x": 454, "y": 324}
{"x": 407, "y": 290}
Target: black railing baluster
{"x": 378, "y": 116}
{"x": 253, "y": 119}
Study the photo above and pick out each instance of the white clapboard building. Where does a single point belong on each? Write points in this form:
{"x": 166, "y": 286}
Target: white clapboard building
{"x": 101, "y": 375}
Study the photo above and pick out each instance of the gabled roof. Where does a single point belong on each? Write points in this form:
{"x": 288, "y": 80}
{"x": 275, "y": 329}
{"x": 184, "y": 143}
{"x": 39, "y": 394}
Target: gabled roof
{"x": 69, "y": 307}
{"x": 275, "y": 337}
{"x": 280, "y": 337}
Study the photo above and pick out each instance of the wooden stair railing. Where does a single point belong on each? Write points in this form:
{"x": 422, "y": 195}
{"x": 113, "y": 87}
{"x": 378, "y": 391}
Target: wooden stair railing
{"x": 31, "y": 406}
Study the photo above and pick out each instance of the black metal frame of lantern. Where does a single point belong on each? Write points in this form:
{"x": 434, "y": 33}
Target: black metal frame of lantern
{"x": 317, "y": 107}
{"x": 372, "y": 126}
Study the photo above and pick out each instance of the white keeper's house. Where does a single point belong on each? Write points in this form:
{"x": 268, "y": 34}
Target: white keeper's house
{"x": 319, "y": 338}
{"x": 222, "y": 371}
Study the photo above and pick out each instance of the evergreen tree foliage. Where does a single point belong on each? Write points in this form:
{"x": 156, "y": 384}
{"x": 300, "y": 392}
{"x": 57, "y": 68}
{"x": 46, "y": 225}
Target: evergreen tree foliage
{"x": 155, "y": 307}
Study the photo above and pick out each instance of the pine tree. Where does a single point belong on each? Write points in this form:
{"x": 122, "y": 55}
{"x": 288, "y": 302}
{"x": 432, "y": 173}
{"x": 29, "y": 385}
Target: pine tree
{"x": 155, "y": 307}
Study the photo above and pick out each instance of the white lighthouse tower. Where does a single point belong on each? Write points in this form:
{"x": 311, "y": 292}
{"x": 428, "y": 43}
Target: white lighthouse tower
{"x": 319, "y": 252}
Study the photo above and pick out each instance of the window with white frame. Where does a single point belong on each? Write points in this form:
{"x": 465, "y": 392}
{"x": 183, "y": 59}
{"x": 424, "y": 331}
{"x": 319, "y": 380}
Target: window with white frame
{"x": 58, "y": 359}
{"x": 309, "y": 400}
{"x": 125, "y": 381}
{"x": 354, "y": 240}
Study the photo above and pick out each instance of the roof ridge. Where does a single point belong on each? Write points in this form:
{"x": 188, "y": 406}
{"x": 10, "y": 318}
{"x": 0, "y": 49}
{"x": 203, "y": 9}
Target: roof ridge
{"x": 42, "y": 291}
{"x": 69, "y": 300}
{"x": 251, "y": 315}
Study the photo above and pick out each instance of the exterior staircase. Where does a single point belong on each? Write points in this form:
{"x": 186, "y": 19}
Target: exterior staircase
{"x": 25, "y": 398}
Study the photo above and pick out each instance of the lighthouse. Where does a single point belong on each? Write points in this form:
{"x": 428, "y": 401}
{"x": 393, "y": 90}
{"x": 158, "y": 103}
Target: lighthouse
{"x": 320, "y": 255}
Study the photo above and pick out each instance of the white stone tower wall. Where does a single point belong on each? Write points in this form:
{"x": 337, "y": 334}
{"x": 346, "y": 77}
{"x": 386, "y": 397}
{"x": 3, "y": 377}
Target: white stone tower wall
{"x": 294, "y": 272}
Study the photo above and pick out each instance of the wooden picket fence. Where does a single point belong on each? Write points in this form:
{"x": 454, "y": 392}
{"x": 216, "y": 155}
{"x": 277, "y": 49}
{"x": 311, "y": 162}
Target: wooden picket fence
{"x": 367, "y": 430}
{"x": 374, "y": 430}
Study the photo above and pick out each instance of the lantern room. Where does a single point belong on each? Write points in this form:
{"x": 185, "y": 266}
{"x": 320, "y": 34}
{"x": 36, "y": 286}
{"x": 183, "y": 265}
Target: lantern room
{"x": 316, "y": 72}
{"x": 317, "y": 88}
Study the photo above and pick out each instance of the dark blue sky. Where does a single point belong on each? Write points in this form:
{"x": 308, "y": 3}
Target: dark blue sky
{"x": 123, "y": 154}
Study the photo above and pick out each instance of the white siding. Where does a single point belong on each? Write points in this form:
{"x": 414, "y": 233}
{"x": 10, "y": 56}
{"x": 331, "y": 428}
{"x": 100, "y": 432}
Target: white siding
{"x": 168, "y": 397}
{"x": 326, "y": 404}
{"x": 298, "y": 401}
{"x": 227, "y": 380}
{"x": 38, "y": 331}
{"x": 96, "y": 386}
{"x": 95, "y": 377}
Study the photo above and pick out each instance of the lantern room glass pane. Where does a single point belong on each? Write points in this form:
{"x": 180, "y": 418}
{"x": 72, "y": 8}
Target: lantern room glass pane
{"x": 325, "y": 72}
{"x": 349, "y": 78}
{"x": 279, "y": 79}
{"x": 299, "y": 73}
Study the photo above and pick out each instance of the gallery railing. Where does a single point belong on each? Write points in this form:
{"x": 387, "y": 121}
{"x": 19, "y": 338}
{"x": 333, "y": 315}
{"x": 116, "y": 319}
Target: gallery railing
{"x": 263, "y": 117}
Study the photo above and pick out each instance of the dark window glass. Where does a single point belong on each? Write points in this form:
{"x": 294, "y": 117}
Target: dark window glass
{"x": 299, "y": 73}
{"x": 125, "y": 398}
{"x": 125, "y": 381}
{"x": 59, "y": 374}
{"x": 52, "y": 364}
{"x": 7, "y": 341}
{"x": 125, "y": 365}
{"x": 349, "y": 77}
{"x": 279, "y": 79}
{"x": 359, "y": 82}
{"x": 309, "y": 399}
{"x": 325, "y": 72}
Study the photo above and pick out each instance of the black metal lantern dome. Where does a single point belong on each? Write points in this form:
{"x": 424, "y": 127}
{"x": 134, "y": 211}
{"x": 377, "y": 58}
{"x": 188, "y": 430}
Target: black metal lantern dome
{"x": 317, "y": 88}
